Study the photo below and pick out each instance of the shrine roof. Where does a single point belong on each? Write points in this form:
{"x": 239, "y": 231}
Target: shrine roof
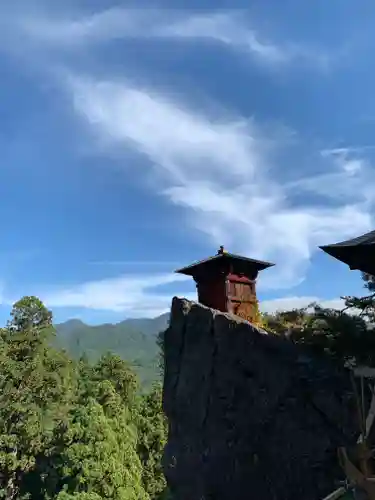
{"x": 223, "y": 257}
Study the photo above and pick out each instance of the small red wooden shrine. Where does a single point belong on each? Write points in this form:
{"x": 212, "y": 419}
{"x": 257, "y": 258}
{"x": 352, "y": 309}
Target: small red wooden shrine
{"x": 227, "y": 282}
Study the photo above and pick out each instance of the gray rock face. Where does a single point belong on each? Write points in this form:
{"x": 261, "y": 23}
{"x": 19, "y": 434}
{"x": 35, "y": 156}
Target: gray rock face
{"x": 251, "y": 416}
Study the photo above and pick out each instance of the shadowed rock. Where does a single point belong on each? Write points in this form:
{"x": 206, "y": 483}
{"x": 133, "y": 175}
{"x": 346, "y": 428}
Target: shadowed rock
{"x": 250, "y": 415}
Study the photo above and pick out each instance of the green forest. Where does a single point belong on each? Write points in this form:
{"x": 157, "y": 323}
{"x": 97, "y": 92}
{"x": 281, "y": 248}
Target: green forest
{"x": 132, "y": 339}
{"x": 71, "y": 428}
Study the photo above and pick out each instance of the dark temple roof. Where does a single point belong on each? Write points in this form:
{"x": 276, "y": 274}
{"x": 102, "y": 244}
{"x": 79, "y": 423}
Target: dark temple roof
{"x": 365, "y": 239}
{"x": 358, "y": 253}
{"x": 241, "y": 263}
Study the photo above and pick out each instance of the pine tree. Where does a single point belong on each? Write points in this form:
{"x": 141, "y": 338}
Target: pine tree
{"x": 152, "y": 437}
{"x": 36, "y": 388}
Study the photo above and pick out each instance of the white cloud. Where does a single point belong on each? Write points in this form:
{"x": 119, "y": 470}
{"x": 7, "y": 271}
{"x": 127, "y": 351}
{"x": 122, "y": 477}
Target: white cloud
{"x": 233, "y": 31}
{"x": 226, "y": 29}
{"x": 98, "y": 27}
{"x": 289, "y": 303}
{"x": 133, "y": 295}
{"x": 195, "y": 140}
{"x": 348, "y": 175}
{"x": 137, "y": 296}
{"x": 220, "y": 172}
{"x": 230, "y": 29}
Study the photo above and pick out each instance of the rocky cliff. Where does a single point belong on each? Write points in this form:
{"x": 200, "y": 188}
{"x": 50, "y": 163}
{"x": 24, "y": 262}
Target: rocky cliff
{"x": 250, "y": 414}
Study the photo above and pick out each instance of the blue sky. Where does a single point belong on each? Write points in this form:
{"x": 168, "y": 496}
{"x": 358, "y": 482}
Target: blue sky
{"x": 136, "y": 138}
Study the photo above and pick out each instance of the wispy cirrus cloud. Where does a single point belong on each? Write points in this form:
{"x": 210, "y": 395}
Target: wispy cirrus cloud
{"x": 347, "y": 175}
{"x": 140, "y": 296}
{"x": 218, "y": 170}
{"x": 132, "y": 295}
{"x": 230, "y": 29}
{"x": 140, "y": 302}
{"x": 344, "y": 151}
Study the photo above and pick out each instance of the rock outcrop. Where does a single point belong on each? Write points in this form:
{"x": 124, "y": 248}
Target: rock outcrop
{"x": 250, "y": 414}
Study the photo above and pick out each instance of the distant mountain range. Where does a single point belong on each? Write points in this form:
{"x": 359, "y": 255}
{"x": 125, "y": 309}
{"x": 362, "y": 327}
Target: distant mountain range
{"x": 132, "y": 339}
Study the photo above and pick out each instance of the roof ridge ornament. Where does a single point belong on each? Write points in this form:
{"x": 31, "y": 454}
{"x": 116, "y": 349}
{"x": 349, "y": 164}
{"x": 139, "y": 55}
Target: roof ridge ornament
{"x": 221, "y": 250}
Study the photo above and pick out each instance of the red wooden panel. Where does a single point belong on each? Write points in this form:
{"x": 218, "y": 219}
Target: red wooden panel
{"x": 212, "y": 294}
{"x": 236, "y": 293}
{"x": 238, "y": 278}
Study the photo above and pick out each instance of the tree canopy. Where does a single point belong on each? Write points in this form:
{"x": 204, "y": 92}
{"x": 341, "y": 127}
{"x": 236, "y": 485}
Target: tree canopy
{"x": 346, "y": 335}
{"x": 70, "y": 429}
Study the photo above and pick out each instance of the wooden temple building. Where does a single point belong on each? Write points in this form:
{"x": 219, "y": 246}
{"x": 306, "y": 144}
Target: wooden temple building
{"x": 227, "y": 282}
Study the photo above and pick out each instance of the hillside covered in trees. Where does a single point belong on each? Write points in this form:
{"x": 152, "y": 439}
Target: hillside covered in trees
{"x": 134, "y": 340}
